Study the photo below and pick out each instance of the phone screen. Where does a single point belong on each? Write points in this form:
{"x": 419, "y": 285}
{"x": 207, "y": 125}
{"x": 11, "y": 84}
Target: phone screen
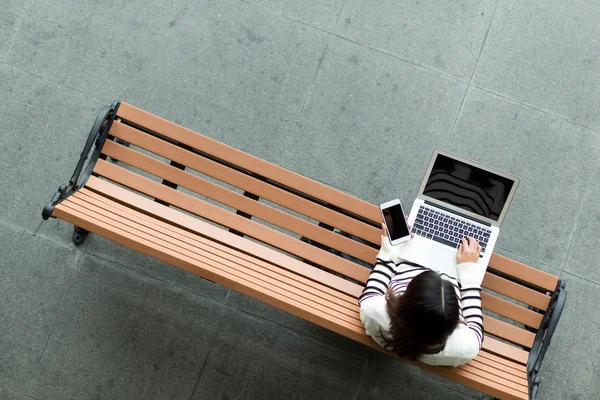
{"x": 395, "y": 222}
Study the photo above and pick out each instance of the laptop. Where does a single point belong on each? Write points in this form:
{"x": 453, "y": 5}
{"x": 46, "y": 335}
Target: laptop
{"x": 458, "y": 198}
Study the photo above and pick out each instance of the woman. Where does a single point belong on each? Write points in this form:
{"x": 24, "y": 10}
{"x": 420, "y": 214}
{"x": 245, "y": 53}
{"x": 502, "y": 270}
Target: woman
{"x": 422, "y": 314}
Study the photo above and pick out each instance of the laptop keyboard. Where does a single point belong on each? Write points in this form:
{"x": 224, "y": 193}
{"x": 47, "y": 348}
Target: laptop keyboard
{"x": 446, "y": 229}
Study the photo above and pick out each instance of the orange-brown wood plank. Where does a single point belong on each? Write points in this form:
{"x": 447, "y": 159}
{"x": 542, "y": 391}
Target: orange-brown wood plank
{"x": 484, "y": 365}
{"x": 209, "y": 270}
{"x": 508, "y": 332}
{"x": 509, "y": 368}
{"x": 187, "y": 242}
{"x": 223, "y": 217}
{"x": 520, "y": 386}
{"x": 238, "y": 201}
{"x": 504, "y": 350}
{"x": 516, "y": 291}
{"x": 511, "y": 310}
{"x": 507, "y": 364}
{"x": 523, "y": 272}
{"x": 246, "y": 182}
{"x": 221, "y": 236}
{"x": 248, "y": 162}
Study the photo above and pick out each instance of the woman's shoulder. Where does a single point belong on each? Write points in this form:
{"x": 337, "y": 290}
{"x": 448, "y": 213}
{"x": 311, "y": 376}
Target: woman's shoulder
{"x": 375, "y": 308}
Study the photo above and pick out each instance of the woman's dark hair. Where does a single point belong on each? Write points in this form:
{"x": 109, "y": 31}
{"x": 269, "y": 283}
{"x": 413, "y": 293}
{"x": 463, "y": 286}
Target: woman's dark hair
{"x": 423, "y": 317}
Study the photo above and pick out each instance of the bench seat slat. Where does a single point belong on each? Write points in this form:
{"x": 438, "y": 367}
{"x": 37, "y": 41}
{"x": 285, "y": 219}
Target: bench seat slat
{"x": 223, "y": 217}
{"x": 523, "y": 272}
{"x": 184, "y": 236}
{"x": 516, "y": 291}
{"x": 498, "y": 378}
{"x": 238, "y": 201}
{"x": 221, "y": 236}
{"x": 508, "y": 332}
{"x": 506, "y": 373}
{"x": 208, "y": 269}
{"x": 511, "y": 310}
{"x": 246, "y": 182}
{"x": 249, "y": 162}
{"x": 504, "y": 363}
{"x": 254, "y": 269}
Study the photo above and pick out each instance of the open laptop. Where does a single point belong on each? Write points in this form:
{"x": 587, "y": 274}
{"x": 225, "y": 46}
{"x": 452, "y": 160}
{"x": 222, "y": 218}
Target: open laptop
{"x": 458, "y": 198}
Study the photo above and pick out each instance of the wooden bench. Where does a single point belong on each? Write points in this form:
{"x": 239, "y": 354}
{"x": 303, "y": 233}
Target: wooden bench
{"x": 296, "y": 258}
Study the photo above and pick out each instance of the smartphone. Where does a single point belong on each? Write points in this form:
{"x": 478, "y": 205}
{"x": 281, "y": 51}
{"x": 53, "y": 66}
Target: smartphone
{"x": 395, "y": 221}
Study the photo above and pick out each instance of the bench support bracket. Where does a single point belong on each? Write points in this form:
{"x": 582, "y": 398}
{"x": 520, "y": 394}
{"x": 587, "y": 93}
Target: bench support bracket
{"x": 95, "y": 141}
{"x": 543, "y": 337}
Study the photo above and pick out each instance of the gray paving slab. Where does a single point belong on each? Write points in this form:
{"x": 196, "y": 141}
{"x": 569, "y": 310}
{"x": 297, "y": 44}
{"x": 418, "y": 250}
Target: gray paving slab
{"x": 387, "y": 377}
{"x": 44, "y": 128}
{"x": 321, "y": 14}
{"x": 584, "y": 252}
{"x": 554, "y": 159}
{"x": 570, "y": 369}
{"x": 12, "y": 11}
{"x": 371, "y": 123}
{"x": 242, "y": 78}
{"x": 7, "y": 394}
{"x": 123, "y": 335}
{"x": 150, "y": 266}
{"x": 297, "y": 325}
{"x": 545, "y": 54}
{"x": 109, "y": 51}
{"x": 445, "y": 37}
{"x": 255, "y": 359}
{"x": 35, "y": 275}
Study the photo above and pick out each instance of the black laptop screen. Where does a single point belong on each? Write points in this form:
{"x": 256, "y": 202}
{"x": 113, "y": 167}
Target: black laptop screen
{"x": 468, "y": 187}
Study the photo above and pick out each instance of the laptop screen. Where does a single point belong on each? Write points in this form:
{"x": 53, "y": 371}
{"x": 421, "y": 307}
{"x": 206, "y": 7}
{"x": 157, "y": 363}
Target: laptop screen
{"x": 465, "y": 186}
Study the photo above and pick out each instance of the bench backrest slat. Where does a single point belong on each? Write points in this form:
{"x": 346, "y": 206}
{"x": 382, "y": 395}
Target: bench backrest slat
{"x": 248, "y": 162}
{"x": 510, "y": 310}
{"x": 238, "y": 201}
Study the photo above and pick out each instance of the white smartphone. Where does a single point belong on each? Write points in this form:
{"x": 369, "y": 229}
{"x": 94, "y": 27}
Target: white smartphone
{"x": 395, "y": 221}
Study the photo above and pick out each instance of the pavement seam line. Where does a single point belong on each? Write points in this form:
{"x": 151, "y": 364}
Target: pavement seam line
{"x": 483, "y": 43}
{"x": 579, "y": 277}
{"x": 210, "y": 347}
{"x": 13, "y": 39}
{"x": 584, "y": 199}
{"x": 363, "y": 373}
{"x": 17, "y": 392}
{"x": 60, "y": 304}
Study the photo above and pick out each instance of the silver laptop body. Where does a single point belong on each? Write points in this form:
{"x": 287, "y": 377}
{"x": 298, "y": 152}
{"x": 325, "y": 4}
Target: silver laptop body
{"x": 457, "y": 198}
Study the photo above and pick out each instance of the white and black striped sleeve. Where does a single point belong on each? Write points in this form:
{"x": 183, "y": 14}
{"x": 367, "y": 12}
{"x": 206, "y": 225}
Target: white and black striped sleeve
{"x": 472, "y": 311}
{"x": 379, "y": 279}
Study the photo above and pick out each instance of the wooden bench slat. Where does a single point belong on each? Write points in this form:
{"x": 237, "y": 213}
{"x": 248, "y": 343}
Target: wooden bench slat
{"x": 334, "y": 296}
{"x": 509, "y": 367}
{"x": 249, "y": 162}
{"x": 516, "y": 291}
{"x": 508, "y": 332}
{"x": 482, "y": 364}
{"x": 239, "y": 201}
{"x": 219, "y": 235}
{"x": 206, "y": 268}
{"x": 223, "y": 217}
{"x": 507, "y": 383}
{"x": 523, "y": 272}
{"x": 254, "y": 270}
{"x": 511, "y": 310}
{"x": 506, "y": 363}
{"x": 504, "y": 350}
{"x": 245, "y": 182}
{"x": 475, "y": 381}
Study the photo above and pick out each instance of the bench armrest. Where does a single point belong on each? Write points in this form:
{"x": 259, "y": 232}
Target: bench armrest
{"x": 544, "y": 336}
{"x": 96, "y": 137}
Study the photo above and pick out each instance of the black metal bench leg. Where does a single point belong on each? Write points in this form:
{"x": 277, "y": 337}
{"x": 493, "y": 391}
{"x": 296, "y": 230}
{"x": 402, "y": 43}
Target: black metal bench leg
{"x": 79, "y": 235}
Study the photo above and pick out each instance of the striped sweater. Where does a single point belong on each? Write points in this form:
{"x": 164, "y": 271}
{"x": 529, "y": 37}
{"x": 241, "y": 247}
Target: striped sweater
{"x": 392, "y": 271}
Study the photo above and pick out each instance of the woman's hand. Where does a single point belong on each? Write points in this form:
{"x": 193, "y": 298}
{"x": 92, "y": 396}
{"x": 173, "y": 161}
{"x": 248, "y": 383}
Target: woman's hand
{"x": 468, "y": 251}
